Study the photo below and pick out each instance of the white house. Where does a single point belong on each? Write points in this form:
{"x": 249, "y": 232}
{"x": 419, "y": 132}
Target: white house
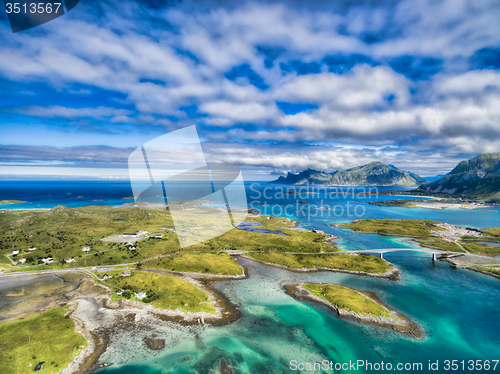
{"x": 15, "y": 252}
{"x": 142, "y": 232}
{"x": 158, "y": 236}
{"x": 129, "y": 235}
{"x": 47, "y": 260}
{"x": 22, "y": 260}
{"x": 32, "y": 249}
{"x": 70, "y": 260}
{"x": 140, "y": 295}
{"x": 86, "y": 249}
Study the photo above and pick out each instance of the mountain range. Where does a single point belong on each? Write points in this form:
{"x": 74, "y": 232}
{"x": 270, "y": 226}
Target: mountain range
{"x": 477, "y": 178}
{"x": 372, "y": 174}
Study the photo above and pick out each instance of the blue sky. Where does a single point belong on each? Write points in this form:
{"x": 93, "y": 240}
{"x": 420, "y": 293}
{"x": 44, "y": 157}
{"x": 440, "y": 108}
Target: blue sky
{"x": 272, "y": 86}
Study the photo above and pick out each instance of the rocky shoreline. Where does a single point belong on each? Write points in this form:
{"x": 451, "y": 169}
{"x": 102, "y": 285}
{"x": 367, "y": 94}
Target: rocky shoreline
{"x": 99, "y": 320}
{"x": 400, "y": 322}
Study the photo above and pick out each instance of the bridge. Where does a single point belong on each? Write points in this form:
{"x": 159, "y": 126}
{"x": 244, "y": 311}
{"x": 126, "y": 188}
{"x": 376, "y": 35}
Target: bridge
{"x": 380, "y": 251}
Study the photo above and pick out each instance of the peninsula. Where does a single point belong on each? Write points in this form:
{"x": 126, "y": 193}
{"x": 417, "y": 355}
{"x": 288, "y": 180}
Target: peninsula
{"x": 362, "y": 306}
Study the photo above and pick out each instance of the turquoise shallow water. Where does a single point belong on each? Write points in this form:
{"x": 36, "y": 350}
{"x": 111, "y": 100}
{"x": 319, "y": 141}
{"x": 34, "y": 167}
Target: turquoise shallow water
{"x": 458, "y": 310}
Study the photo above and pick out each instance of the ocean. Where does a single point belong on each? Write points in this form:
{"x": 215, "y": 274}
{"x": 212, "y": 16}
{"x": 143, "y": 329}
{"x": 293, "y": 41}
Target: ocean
{"x": 457, "y": 309}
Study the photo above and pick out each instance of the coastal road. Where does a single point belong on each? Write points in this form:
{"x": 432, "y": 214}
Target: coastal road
{"x": 91, "y": 269}
{"x": 88, "y": 270}
{"x": 380, "y": 251}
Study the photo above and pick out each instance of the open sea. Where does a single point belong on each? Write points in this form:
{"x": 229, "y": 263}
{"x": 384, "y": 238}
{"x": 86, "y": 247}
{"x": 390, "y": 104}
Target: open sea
{"x": 457, "y": 310}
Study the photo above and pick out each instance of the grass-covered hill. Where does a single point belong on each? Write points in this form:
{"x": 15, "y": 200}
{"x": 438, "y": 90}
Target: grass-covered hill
{"x": 61, "y": 233}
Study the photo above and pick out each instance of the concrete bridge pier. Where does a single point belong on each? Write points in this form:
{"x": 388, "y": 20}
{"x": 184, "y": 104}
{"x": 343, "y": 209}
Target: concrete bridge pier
{"x": 382, "y": 255}
{"x": 434, "y": 257}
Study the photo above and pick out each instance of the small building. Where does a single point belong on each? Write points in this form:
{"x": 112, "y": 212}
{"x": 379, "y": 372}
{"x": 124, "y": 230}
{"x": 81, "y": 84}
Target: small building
{"x": 86, "y": 249}
{"x": 15, "y": 252}
{"x": 119, "y": 293}
{"x": 132, "y": 247}
{"x": 126, "y": 273}
{"x": 32, "y": 249}
{"x": 70, "y": 260}
{"x": 140, "y": 295}
{"x": 47, "y": 260}
{"x": 129, "y": 235}
{"x": 105, "y": 276}
{"x": 159, "y": 236}
{"x": 22, "y": 260}
{"x": 142, "y": 232}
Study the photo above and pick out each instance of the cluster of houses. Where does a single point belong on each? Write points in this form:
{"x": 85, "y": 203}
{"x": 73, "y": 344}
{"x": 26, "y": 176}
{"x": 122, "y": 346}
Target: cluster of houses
{"x": 16, "y": 251}
{"x": 22, "y": 260}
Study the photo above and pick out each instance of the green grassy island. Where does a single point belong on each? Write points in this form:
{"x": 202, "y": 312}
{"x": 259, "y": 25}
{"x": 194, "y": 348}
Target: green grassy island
{"x": 8, "y": 202}
{"x": 351, "y": 263}
{"x": 362, "y": 306}
{"x": 49, "y": 337}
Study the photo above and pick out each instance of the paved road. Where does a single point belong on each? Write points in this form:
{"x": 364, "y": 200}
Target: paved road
{"x": 376, "y": 250}
{"x": 88, "y": 269}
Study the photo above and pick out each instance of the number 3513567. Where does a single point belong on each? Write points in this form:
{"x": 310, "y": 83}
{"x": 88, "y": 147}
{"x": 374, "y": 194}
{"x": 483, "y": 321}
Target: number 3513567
{"x": 32, "y": 7}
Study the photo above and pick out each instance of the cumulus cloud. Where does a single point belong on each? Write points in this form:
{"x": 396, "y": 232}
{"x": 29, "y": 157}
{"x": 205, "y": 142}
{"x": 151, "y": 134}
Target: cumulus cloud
{"x": 366, "y": 87}
{"x": 56, "y": 111}
{"x": 164, "y": 61}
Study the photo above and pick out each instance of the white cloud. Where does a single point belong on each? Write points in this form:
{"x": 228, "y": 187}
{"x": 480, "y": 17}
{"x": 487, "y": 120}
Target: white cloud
{"x": 241, "y": 112}
{"x": 55, "y": 111}
{"x": 365, "y": 87}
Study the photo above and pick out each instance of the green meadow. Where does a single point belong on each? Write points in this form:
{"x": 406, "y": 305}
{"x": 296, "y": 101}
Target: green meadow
{"x": 49, "y": 337}
{"x": 207, "y": 263}
{"x": 421, "y": 231}
{"x": 61, "y": 233}
{"x": 347, "y": 299}
{"x": 163, "y": 291}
